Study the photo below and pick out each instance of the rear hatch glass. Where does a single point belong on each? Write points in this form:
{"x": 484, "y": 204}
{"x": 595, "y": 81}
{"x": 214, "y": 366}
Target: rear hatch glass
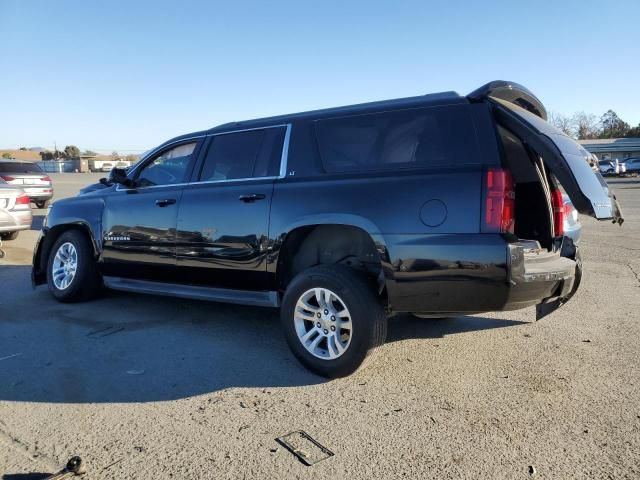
{"x": 567, "y": 159}
{"x": 20, "y": 168}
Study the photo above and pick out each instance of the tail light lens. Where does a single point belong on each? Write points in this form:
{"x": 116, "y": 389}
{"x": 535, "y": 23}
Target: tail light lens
{"x": 7, "y": 178}
{"x": 22, "y": 203}
{"x": 22, "y": 200}
{"x": 558, "y": 212}
{"x": 499, "y": 202}
{"x": 570, "y": 212}
{"x": 46, "y": 178}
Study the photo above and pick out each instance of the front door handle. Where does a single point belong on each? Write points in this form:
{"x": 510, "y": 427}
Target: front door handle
{"x": 252, "y": 197}
{"x": 165, "y": 202}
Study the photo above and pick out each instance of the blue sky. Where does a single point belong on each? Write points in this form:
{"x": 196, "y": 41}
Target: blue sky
{"x": 127, "y": 75}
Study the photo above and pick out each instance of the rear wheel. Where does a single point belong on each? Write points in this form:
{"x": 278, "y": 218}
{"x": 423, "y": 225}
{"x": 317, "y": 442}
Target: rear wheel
{"x": 72, "y": 273}
{"x": 332, "y": 320}
{"x": 9, "y": 235}
{"x": 41, "y": 203}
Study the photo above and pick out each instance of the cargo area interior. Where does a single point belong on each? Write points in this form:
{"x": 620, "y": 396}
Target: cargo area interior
{"x": 533, "y": 208}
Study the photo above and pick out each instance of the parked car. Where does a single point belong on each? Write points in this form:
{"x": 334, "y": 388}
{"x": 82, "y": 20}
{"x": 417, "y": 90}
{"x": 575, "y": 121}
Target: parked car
{"x": 15, "y": 211}
{"x": 632, "y": 165}
{"x": 607, "y": 167}
{"x": 622, "y": 168}
{"x": 572, "y": 226}
{"x": 437, "y": 205}
{"x": 30, "y": 177}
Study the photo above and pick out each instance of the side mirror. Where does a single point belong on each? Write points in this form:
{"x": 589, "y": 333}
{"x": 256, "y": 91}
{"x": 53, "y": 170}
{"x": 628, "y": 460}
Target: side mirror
{"x": 119, "y": 175}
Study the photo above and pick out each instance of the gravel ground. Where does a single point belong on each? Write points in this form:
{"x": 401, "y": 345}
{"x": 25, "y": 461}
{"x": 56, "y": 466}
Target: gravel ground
{"x": 149, "y": 387}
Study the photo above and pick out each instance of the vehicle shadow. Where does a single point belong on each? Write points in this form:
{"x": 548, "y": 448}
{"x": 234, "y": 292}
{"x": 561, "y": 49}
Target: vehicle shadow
{"x": 136, "y": 348}
{"x": 406, "y": 326}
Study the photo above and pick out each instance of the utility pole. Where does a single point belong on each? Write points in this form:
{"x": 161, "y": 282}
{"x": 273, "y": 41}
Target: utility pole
{"x": 55, "y": 150}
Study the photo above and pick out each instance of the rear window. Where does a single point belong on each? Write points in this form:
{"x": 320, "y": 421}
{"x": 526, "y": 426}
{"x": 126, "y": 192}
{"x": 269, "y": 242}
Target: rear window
{"x": 242, "y": 155}
{"x": 415, "y": 138}
{"x": 19, "y": 167}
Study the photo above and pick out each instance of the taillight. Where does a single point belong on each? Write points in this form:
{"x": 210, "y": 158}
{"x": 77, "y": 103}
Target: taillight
{"x": 22, "y": 200}
{"x": 7, "y": 178}
{"x": 499, "y": 201}
{"x": 558, "y": 212}
{"x": 570, "y": 212}
{"x": 46, "y": 178}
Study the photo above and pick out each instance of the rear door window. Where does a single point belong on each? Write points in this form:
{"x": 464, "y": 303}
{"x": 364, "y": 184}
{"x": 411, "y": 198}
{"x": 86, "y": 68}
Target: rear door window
{"x": 243, "y": 155}
{"x": 413, "y": 138}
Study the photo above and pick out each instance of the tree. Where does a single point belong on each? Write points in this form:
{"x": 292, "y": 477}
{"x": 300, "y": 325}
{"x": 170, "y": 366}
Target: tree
{"x": 46, "y": 155}
{"x": 71, "y": 151}
{"x": 562, "y": 123}
{"x": 586, "y": 126}
{"x": 6, "y": 155}
{"x": 634, "y": 132}
{"x": 24, "y": 149}
{"x": 89, "y": 153}
{"x": 131, "y": 158}
{"x": 115, "y": 155}
{"x": 612, "y": 125}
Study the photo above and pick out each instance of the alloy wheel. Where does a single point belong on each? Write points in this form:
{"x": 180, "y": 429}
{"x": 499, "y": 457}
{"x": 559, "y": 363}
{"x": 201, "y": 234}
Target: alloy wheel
{"x": 65, "y": 265}
{"x": 323, "y": 323}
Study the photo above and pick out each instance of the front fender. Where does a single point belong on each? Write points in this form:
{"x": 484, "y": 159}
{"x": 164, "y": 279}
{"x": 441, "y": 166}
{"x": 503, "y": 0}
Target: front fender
{"x": 80, "y": 213}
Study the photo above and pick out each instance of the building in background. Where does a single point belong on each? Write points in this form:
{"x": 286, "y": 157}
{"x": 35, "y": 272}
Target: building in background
{"x": 613, "y": 148}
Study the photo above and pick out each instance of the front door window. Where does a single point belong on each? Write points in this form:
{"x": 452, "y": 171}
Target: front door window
{"x": 168, "y": 168}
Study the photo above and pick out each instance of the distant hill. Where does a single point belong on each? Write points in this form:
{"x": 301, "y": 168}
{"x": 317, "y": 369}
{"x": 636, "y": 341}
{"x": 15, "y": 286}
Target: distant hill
{"x": 22, "y": 155}
{"x": 34, "y": 156}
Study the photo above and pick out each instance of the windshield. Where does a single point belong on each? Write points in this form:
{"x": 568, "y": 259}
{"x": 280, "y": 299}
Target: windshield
{"x": 19, "y": 167}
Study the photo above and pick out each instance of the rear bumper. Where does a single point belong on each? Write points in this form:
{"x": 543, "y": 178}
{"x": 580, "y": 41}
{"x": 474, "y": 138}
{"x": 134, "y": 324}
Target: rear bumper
{"x": 540, "y": 277}
{"x": 466, "y": 274}
{"x": 5, "y": 229}
{"x": 39, "y": 194}
{"x": 11, "y": 221}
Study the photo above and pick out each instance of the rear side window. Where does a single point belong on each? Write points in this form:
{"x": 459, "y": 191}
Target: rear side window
{"x": 19, "y": 167}
{"x": 415, "y": 138}
{"x": 240, "y": 155}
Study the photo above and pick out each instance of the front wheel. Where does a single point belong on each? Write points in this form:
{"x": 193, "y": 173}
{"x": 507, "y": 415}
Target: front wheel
{"x": 332, "y": 320}
{"x": 72, "y": 273}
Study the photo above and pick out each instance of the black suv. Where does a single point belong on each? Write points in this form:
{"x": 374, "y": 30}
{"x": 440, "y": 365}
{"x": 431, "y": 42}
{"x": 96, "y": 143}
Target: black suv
{"x": 435, "y": 205}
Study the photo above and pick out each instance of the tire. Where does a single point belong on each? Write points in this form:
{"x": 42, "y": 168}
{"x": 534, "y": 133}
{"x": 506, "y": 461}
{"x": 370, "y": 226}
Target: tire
{"x": 41, "y": 203}
{"x": 367, "y": 327}
{"x": 9, "y": 235}
{"x": 86, "y": 282}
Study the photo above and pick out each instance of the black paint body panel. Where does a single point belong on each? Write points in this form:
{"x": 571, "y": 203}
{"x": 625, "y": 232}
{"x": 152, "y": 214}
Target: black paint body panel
{"x": 222, "y": 241}
{"x": 138, "y": 236}
{"x": 425, "y": 222}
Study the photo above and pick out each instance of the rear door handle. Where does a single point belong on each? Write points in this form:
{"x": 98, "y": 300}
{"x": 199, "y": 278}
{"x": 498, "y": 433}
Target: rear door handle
{"x": 252, "y": 197}
{"x": 165, "y": 202}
